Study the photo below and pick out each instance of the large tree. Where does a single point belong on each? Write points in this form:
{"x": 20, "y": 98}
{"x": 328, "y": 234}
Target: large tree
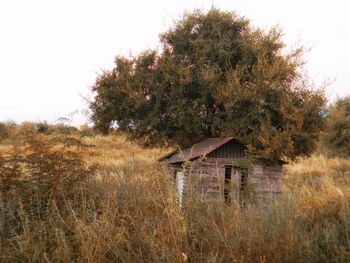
{"x": 215, "y": 75}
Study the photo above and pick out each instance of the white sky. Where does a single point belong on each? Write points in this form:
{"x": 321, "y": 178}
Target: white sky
{"x": 51, "y": 51}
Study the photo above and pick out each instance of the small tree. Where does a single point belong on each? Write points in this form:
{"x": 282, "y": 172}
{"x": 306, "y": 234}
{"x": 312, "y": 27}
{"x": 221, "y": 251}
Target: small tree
{"x": 336, "y": 139}
{"x": 215, "y": 76}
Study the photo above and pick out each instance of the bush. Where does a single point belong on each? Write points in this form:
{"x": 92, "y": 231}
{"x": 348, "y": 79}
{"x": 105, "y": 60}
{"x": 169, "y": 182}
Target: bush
{"x": 37, "y": 179}
{"x": 336, "y": 139}
{"x": 42, "y": 127}
{"x": 4, "y": 133}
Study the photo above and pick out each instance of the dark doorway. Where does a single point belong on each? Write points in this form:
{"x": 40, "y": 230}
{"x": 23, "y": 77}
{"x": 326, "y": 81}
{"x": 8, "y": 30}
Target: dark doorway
{"x": 227, "y": 185}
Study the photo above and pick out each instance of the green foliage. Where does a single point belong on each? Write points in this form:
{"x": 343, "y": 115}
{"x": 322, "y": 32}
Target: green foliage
{"x": 215, "y": 76}
{"x": 336, "y": 139}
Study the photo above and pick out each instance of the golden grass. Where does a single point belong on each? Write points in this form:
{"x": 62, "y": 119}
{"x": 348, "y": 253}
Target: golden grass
{"x": 306, "y": 171}
{"x": 116, "y": 151}
{"x": 128, "y": 212}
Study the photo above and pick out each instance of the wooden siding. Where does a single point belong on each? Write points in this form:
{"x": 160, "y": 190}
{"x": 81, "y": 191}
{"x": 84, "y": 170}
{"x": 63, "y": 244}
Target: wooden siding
{"x": 232, "y": 149}
{"x": 206, "y": 177}
{"x": 266, "y": 177}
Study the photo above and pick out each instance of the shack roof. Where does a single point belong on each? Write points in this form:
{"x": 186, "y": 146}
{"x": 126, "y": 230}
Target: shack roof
{"x": 201, "y": 148}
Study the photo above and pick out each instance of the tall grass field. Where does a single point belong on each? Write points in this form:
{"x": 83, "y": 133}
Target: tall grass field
{"x": 70, "y": 195}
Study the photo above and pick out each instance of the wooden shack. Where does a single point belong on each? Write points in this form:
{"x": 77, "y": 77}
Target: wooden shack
{"x": 218, "y": 167}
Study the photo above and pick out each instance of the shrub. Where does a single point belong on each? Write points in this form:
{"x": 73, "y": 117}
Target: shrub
{"x": 38, "y": 178}
{"x": 4, "y": 133}
{"x": 336, "y": 139}
{"x": 42, "y": 127}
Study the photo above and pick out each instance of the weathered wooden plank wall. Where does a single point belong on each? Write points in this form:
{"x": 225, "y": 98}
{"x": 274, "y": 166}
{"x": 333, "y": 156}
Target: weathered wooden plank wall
{"x": 266, "y": 177}
{"x": 205, "y": 177}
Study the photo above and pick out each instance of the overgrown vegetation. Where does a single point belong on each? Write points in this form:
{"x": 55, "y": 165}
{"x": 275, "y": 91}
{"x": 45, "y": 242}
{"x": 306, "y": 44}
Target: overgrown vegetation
{"x": 72, "y": 198}
{"x": 336, "y": 138}
{"x": 215, "y": 75}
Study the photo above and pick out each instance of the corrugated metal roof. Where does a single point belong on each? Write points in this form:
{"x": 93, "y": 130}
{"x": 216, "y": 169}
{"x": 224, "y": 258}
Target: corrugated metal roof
{"x": 201, "y": 148}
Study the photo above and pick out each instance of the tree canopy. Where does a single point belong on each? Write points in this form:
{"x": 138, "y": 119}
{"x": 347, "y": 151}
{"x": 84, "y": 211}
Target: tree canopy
{"x": 215, "y": 75}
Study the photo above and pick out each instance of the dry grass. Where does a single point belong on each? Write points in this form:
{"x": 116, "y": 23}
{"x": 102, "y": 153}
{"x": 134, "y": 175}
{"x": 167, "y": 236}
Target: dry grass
{"x": 127, "y": 211}
{"x": 115, "y": 152}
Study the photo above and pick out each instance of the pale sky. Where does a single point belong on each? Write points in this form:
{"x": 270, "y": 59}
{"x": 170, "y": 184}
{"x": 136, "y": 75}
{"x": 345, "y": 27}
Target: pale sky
{"x": 52, "y": 50}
